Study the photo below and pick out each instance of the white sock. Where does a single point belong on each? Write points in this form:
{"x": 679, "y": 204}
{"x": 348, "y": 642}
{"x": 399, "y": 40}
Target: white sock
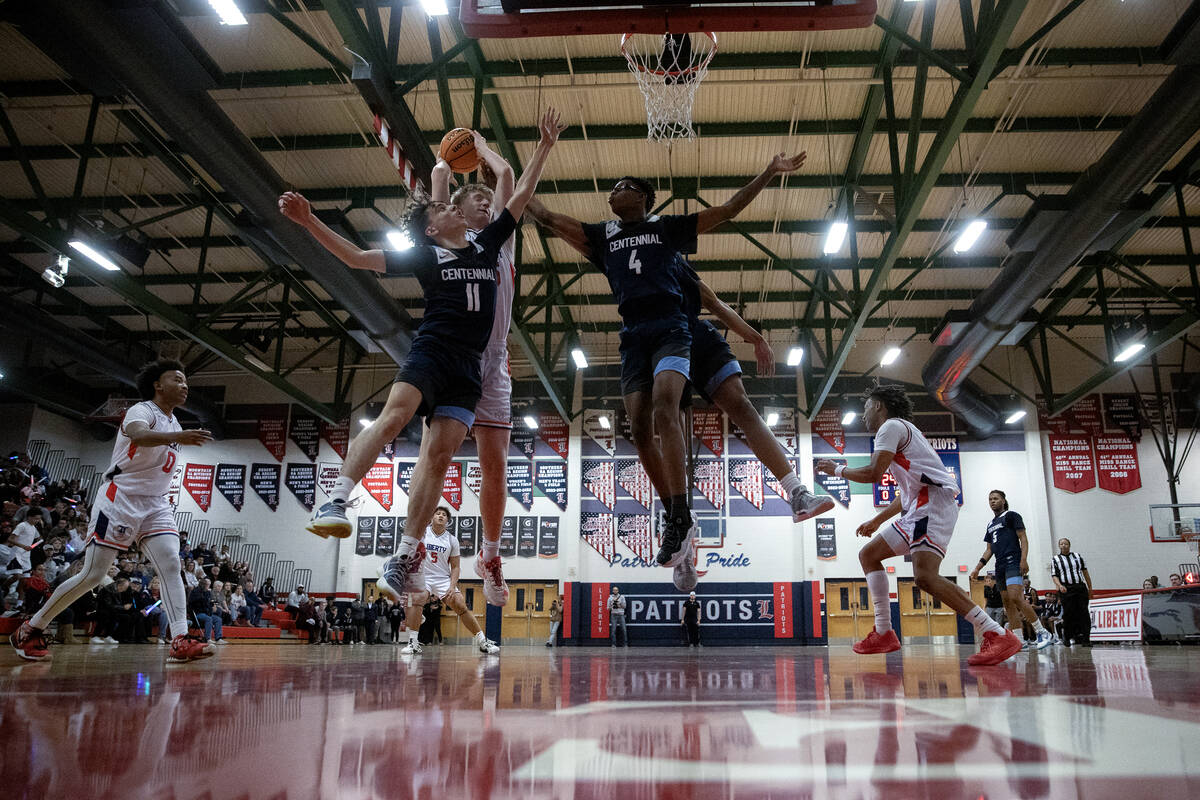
{"x": 489, "y": 550}
{"x": 1038, "y": 627}
{"x": 791, "y": 483}
{"x": 877, "y": 585}
{"x": 407, "y": 546}
{"x": 982, "y": 622}
{"x": 342, "y": 488}
{"x": 480, "y": 637}
{"x": 412, "y": 637}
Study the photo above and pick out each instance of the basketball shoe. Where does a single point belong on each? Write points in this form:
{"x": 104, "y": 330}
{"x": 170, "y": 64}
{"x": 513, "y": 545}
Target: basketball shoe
{"x": 331, "y": 520}
{"x": 486, "y": 645}
{"x": 397, "y": 574}
{"x": 685, "y": 576}
{"x": 189, "y": 648}
{"x": 806, "y": 505}
{"x": 675, "y": 538}
{"x": 878, "y": 643}
{"x": 495, "y": 590}
{"x": 996, "y": 648}
{"x": 30, "y": 643}
{"x": 412, "y": 649}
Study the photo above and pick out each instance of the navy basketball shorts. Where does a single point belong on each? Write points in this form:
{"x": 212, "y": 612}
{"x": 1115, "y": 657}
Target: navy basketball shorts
{"x": 447, "y": 377}
{"x": 651, "y": 347}
{"x": 713, "y": 362}
{"x": 1008, "y": 571}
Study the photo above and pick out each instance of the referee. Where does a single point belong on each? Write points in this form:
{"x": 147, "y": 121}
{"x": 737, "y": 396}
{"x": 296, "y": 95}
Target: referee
{"x": 1075, "y": 587}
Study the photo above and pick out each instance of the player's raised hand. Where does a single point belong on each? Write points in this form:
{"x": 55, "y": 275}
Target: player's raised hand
{"x": 196, "y": 437}
{"x": 551, "y": 125}
{"x": 765, "y": 357}
{"x": 782, "y": 163}
{"x": 295, "y": 207}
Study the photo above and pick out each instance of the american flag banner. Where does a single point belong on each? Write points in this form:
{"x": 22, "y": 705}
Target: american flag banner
{"x": 633, "y": 479}
{"x": 709, "y": 478}
{"x": 599, "y": 478}
{"x": 773, "y": 483}
{"x": 746, "y": 475}
{"x": 596, "y": 528}
{"x": 395, "y": 153}
{"x": 633, "y": 530}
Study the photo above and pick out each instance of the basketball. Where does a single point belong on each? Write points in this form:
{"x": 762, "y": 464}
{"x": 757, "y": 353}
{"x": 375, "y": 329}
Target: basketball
{"x": 458, "y": 150}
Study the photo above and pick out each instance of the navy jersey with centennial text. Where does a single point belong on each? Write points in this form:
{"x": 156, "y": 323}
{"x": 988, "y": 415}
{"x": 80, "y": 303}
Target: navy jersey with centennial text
{"x": 1002, "y": 535}
{"x": 638, "y": 260}
{"x": 459, "y": 285}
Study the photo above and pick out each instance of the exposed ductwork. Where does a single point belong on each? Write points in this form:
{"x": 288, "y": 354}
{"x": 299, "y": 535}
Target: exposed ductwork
{"x": 1087, "y": 220}
{"x": 142, "y": 47}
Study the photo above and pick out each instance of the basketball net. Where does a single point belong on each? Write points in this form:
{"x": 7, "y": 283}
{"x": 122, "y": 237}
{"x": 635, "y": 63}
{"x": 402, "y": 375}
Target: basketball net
{"x": 669, "y": 69}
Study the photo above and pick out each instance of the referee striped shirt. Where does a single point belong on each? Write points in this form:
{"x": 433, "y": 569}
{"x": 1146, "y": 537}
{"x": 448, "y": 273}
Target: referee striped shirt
{"x": 1069, "y": 568}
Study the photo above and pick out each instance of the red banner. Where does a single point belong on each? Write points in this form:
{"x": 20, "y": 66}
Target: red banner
{"x": 746, "y": 475}
{"x": 338, "y": 436}
{"x": 600, "y": 611}
{"x": 1087, "y": 415}
{"x": 828, "y": 425}
{"x": 1060, "y": 424}
{"x": 272, "y": 429}
{"x": 198, "y": 480}
{"x": 1072, "y": 464}
{"x": 709, "y": 427}
{"x": 452, "y": 486}
{"x": 554, "y": 431}
{"x": 378, "y": 483}
{"x": 1117, "y": 464}
{"x": 785, "y": 626}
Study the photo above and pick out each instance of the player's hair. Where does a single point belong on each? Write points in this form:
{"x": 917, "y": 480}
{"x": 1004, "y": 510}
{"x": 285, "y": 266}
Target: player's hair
{"x": 460, "y": 194}
{"x": 414, "y": 221}
{"x": 151, "y": 372}
{"x": 1003, "y": 497}
{"x": 449, "y": 516}
{"x": 644, "y": 187}
{"x": 894, "y": 399}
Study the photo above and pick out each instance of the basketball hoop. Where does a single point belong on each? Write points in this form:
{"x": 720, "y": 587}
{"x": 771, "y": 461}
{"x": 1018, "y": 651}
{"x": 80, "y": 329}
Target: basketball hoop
{"x": 112, "y": 411}
{"x": 669, "y": 68}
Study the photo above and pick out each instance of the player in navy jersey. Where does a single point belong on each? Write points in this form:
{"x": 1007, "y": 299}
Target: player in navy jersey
{"x": 636, "y": 252}
{"x": 440, "y": 379}
{"x": 1006, "y": 541}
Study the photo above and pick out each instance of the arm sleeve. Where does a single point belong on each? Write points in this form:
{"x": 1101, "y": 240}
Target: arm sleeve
{"x": 493, "y": 237}
{"x": 407, "y": 262}
{"x": 596, "y": 237}
{"x": 889, "y": 436}
{"x": 1014, "y": 519}
{"x": 680, "y": 232}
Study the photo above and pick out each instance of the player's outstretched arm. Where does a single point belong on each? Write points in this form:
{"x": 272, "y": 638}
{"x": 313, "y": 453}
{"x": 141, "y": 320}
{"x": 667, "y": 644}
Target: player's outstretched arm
{"x": 439, "y": 182}
{"x": 569, "y": 229}
{"x": 140, "y": 434}
{"x": 880, "y": 461}
{"x": 709, "y": 218}
{"x": 732, "y": 320}
{"x": 551, "y": 126}
{"x": 295, "y": 207}
{"x": 501, "y": 177}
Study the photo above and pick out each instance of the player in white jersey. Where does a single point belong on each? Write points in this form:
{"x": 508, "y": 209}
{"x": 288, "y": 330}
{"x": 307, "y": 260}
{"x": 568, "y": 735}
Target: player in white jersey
{"x": 493, "y": 412}
{"x": 927, "y": 505}
{"x": 131, "y": 508}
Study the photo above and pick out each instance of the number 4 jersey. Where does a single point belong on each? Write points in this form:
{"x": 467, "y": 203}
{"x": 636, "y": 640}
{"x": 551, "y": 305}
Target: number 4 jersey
{"x": 141, "y": 470}
{"x": 637, "y": 258}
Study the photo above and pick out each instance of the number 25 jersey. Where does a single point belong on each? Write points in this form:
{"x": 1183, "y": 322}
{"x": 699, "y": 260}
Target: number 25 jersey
{"x": 638, "y": 261}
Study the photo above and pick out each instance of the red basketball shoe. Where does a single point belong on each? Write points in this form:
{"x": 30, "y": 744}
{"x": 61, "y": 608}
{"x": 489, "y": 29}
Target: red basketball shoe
{"x": 878, "y": 643}
{"x": 996, "y": 648}
{"x": 30, "y": 643}
{"x": 189, "y": 648}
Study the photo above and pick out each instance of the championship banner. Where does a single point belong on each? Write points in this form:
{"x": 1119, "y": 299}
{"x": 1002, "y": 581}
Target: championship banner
{"x": 633, "y": 531}
{"x": 264, "y": 479}
{"x": 198, "y": 480}
{"x": 327, "y": 475}
{"x": 600, "y": 433}
{"x": 1060, "y": 425}
{"x": 508, "y": 537}
{"x": 708, "y": 425}
{"x": 599, "y": 478}
{"x": 828, "y": 425}
{"x": 520, "y": 483}
{"x": 633, "y": 479}
{"x": 364, "y": 537}
{"x": 305, "y": 431}
{"x": 547, "y": 537}
{"x": 231, "y": 483}
{"x": 272, "y": 429}
{"x": 338, "y": 436}
{"x": 404, "y": 474}
{"x": 301, "y": 480}
{"x": 835, "y": 487}
{"x": 785, "y": 428}
{"x": 522, "y": 438}
{"x": 1087, "y": 416}
{"x": 385, "y": 539}
{"x": 467, "y": 531}
{"x": 527, "y": 537}
{"x": 1071, "y": 463}
{"x": 773, "y": 483}
{"x": 826, "y": 539}
{"x": 378, "y": 483}
{"x": 1121, "y": 413}
{"x": 1117, "y": 467}
{"x": 710, "y": 480}
{"x": 746, "y": 475}
{"x": 555, "y": 432}
{"x": 474, "y": 477}
{"x": 551, "y": 478}
{"x": 452, "y": 485}
{"x": 624, "y": 425}
{"x": 597, "y": 530}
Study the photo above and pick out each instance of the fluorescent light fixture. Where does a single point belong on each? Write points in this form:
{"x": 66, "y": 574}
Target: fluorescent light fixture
{"x": 848, "y": 417}
{"x": 772, "y": 419}
{"x": 970, "y": 234}
{"x": 579, "y": 358}
{"x": 890, "y": 356}
{"x": 399, "y": 240}
{"x": 1129, "y": 352}
{"x": 1015, "y": 416}
{"x": 835, "y": 237}
{"x": 95, "y": 255}
{"x": 364, "y": 421}
{"x": 604, "y": 423}
{"x": 531, "y": 422}
{"x": 257, "y": 362}
{"x": 794, "y": 356}
{"x": 228, "y": 11}
{"x": 1, "y": 376}
{"x": 435, "y": 8}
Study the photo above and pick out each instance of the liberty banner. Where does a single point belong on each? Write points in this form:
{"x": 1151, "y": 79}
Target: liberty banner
{"x": 520, "y": 483}
{"x": 508, "y": 537}
{"x": 264, "y": 480}
{"x": 527, "y": 537}
{"x": 828, "y": 425}
{"x": 548, "y": 537}
{"x": 550, "y": 477}
{"x": 1071, "y": 463}
{"x": 272, "y": 429}
{"x": 598, "y": 425}
{"x": 835, "y": 487}
{"x": 597, "y": 530}
{"x": 746, "y": 476}
{"x": 404, "y": 474}
{"x": 633, "y": 531}
{"x": 1117, "y": 464}
{"x": 378, "y": 483}
{"x": 452, "y": 486}
{"x": 198, "y": 480}
{"x": 708, "y": 425}
{"x": 599, "y": 478}
{"x": 305, "y": 431}
{"x": 301, "y": 480}
{"x": 327, "y": 475}
{"x": 474, "y": 477}
{"x": 231, "y": 483}
{"x": 385, "y": 536}
{"x": 522, "y": 439}
{"x": 709, "y": 478}
{"x": 555, "y": 432}
{"x": 338, "y": 436}
{"x": 364, "y": 538}
{"x": 632, "y": 477}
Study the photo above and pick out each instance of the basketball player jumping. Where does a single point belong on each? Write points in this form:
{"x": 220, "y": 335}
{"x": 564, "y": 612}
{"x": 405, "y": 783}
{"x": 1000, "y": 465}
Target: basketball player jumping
{"x": 131, "y": 508}
{"x": 440, "y": 379}
{"x": 928, "y": 510}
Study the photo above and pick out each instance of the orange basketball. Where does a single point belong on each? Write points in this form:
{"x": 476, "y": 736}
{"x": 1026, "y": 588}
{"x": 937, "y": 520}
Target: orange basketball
{"x": 458, "y": 150}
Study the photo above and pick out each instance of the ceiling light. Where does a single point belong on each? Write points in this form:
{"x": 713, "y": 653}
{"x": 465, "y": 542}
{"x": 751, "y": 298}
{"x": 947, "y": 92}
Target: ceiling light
{"x": 848, "y": 417}
{"x": 1015, "y": 416}
{"x": 1129, "y": 352}
{"x": 970, "y": 234}
{"x": 364, "y": 421}
{"x": 835, "y": 237}
{"x": 531, "y": 422}
{"x": 95, "y": 255}
{"x": 228, "y": 11}
{"x": 435, "y": 8}
{"x": 579, "y": 358}
{"x": 794, "y": 356}
{"x": 890, "y": 356}
{"x": 772, "y": 419}
{"x": 604, "y": 423}
{"x": 399, "y": 240}
{"x": 56, "y": 275}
